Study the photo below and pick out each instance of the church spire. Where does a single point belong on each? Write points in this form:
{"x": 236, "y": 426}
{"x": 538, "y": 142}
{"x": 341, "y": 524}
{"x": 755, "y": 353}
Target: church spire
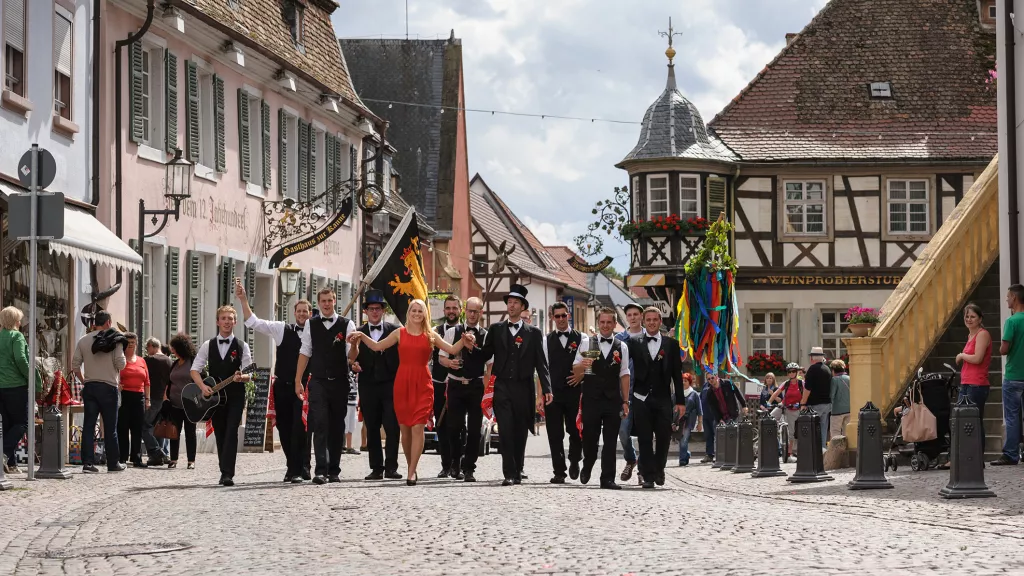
{"x": 671, "y": 53}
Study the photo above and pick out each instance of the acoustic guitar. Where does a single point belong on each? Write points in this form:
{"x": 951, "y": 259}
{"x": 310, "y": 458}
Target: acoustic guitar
{"x": 197, "y": 406}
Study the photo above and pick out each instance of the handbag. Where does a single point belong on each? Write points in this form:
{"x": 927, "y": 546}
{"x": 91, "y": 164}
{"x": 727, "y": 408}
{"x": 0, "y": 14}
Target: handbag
{"x": 164, "y": 428}
{"x": 919, "y": 423}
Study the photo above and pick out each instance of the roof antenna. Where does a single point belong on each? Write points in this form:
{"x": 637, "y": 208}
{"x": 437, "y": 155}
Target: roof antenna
{"x": 406, "y": 20}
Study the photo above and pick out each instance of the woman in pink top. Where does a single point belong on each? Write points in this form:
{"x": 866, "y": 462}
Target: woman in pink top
{"x": 134, "y": 402}
{"x": 975, "y": 359}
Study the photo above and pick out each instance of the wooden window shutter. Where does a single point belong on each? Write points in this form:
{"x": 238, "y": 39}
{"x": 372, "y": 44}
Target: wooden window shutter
{"x": 338, "y": 306}
{"x": 218, "y": 127}
{"x": 329, "y": 166}
{"x": 244, "y": 149}
{"x": 311, "y": 163}
{"x": 192, "y": 112}
{"x": 194, "y": 295}
{"x": 301, "y": 290}
{"x": 339, "y": 160}
{"x": 173, "y": 271}
{"x": 225, "y": 281}
{"x": 303, "y": 161}
{"x": 282, "y": 151}
{"x": 717, "y": 200}
{"x": 314, "y": 287}
{"x": 135, "y": 95}
{"x": 134, "y": 295}
{"x": 265, "y": 142}
{"x": 171, "y": 100}
{"x": 250, "y": 288}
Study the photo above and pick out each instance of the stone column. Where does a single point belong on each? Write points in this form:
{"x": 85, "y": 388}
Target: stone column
{"x": 866, "y": 383}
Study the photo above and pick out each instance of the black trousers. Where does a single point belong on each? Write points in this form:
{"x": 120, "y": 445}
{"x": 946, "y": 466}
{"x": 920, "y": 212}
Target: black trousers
{"x": 328, "y": 405}
{"x": 464, "y": 412}
{"x": 100, "y": 401}
{"x": 152, "y": 414}
{"x": 226, "y": 418}
{"x": 294, "y": 440}
{"x": 131, "y": 418}
{"x": 601, "y": 419}
{"x": 14, "y": 411}
{"x": 560, "y": 418}
{"x": 652, "y": 422}
{"x": 441, "y": 425}
{"x": 514, "y": 410}
{"x": 377, "y": 403}
{"x": 181, "y": 422}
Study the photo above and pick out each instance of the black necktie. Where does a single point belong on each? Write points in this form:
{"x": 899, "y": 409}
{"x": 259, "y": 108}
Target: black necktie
{"x": 224, "y": 340}
{"x": 608, "y": 340}
{"x": 650, "y": 338}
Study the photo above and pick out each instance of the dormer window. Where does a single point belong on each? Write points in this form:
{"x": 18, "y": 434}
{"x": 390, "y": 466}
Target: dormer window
{"x": 294, "y": 12}
{"x": 881, "y": 90}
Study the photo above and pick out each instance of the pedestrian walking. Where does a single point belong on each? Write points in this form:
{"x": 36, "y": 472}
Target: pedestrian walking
{"x": 14, "y": 384}
{"x": 439, "y": 378}
{"x": 818, "y": 390}
{"x": 97, "y": 362}
{"x": 634, "y": 320}
{"x": 135, "y": 391}
{"x": 691, "y": 419}
{"x": 159, "y": 367}
{"x": 561, "y": 348}
{"x": 1012, "y": 348}
{"x": 791, "y": 393}
{"x": 840, "y": 396}
{"x": 180, "y": 376}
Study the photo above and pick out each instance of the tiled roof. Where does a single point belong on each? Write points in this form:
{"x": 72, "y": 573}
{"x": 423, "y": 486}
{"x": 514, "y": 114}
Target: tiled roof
{"x": 572, "y": 277}
{"x": 261, "y": 21}
{"x": 549, "y": 262}
{"x": 813, "y": 100}
{"x": 421, "y": 72}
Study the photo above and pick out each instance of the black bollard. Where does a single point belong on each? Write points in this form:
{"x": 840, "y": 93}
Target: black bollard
{"x": 744, "y": 448}
{"x": 729, "y": 450}
{"x": 870, "y": 474}
{"x": 810, "y": 466}
{"x": 966, "y": 468}
{"x": 768, "y": 450}
{"x": 51, "y": 467}
{"x": 5, "y": 484}
{"x": 719, "y": 433}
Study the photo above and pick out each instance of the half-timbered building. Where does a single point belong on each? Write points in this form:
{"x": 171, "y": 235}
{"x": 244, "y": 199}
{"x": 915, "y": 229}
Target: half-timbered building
{"x": 836, "y": 164}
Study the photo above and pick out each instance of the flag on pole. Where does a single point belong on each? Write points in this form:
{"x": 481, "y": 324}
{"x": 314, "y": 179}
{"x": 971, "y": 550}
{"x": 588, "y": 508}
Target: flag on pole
{"x": 398, "y": 271}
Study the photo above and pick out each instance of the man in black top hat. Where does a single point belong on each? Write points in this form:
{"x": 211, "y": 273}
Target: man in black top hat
{"x": 376, "y": 373}
{"x": 518, "y": 351}
{"x": 560, "y": 348}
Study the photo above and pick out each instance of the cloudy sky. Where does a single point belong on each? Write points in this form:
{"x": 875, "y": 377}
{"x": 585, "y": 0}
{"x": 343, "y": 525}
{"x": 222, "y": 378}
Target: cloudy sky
{"x": 586, "y": 58}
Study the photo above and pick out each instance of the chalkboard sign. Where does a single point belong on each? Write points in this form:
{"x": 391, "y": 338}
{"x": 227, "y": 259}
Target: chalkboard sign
{"x": 256, "y": 413}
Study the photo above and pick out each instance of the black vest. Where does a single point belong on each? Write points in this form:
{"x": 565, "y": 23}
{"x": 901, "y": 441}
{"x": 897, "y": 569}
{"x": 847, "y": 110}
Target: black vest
{"x": 437, "y": 372}
{"x": 560, "y": 360}
{"x": 329, "y": 360}
{"x": 223, "y": 368}
{"x": 473, "y": 361}
{"x": 604, "y": 382}
{"x": 378, "y": 366}
{"x": 288, "y": 355}
{"x": 651, "y": 376}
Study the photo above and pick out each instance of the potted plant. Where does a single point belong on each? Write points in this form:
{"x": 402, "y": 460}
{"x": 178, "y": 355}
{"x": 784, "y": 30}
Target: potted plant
{"x": 861, "y": 320}
{"x": 759, "y": 364}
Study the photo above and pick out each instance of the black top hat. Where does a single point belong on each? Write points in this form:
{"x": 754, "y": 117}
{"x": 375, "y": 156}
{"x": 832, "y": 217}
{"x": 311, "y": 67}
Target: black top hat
{"x": 518, "y": 291}
{"x": 373, "y": 297}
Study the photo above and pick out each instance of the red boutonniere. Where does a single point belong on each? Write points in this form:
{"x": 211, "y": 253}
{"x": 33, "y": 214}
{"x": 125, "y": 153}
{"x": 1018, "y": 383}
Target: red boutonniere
{"x": 339, "y": 337}
{"x": 661, "y": 354}
{"x": 519, "y": 341}
{"x": 573, "y": 346}
{"x": 234, "y": 354}
{"x": 616, "y": 357}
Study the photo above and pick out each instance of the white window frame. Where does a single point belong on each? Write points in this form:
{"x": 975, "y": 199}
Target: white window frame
{"x": 832, "y": 331}
{"x": 64, "y": 101}
{"x": 206, "y": 167}
{"x": 992, "y": 12}
{"x": 636, "y": 199}
{"x": 651, "y": 214}
{"x": 763, "y": 341}
{"x": 907, "y": 202}
{"x": 788, "y": 228}
{"x": 685, "y": 215}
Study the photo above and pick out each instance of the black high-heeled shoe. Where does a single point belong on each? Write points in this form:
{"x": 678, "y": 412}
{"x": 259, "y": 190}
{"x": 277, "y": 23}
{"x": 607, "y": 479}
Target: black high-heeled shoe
{"x": 415, "y": 477}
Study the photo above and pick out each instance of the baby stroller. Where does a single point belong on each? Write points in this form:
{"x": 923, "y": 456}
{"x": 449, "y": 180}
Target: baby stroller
{"x": 937, "y": 391}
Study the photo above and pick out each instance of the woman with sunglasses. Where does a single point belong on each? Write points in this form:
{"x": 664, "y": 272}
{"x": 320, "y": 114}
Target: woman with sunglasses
{"x": 791, "y": 392}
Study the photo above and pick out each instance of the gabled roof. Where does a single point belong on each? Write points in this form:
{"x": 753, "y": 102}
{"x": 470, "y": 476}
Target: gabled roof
{"x": 427, "y": 74}
{"x": 813, "y": 100}
{"x": 262, "y": 22}
{"x": 572, "y": 277}
{"x": 492, "y": 217}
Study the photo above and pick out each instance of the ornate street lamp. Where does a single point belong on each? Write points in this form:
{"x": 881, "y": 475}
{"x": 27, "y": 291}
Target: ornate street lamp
{"x": 177, "y": 188}
{"x": 289, "y": 279}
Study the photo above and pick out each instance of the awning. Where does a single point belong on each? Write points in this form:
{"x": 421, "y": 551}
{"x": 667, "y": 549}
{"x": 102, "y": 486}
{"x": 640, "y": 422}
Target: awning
{"x": 85, "y": 238}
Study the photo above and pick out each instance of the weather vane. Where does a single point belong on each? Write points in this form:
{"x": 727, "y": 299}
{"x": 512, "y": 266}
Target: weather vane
{"x": 671, "y": 52}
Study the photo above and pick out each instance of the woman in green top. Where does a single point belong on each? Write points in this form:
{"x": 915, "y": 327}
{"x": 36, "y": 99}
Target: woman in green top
{"x": 13, "y": 383}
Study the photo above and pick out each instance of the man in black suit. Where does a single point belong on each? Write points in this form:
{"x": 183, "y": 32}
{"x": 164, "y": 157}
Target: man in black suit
{"x": 376, "y": 372}
{"x": 518, "y": 351}
{"x": 561, "y": 347}
{"x": 439, "y": 374}
{"x": 657, "y": 366}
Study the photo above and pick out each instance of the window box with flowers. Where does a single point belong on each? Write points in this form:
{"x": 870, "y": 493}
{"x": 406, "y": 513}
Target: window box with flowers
{"x": 664, "y": 226}
{"x": 759, "y": 364}
{"x": 861, "y": 320}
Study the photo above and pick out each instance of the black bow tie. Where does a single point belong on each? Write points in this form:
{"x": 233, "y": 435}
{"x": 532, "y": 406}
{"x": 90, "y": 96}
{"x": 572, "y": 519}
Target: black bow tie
{"x": 608, "y": 340}
{"x": 561, "y": 334}
{"x": 517, "y": 325}
{"x": 376, "y": 328}
{"x": 224, "y": 340}
{"x": 298, "y": 328}
{"x": 650, "y": 338}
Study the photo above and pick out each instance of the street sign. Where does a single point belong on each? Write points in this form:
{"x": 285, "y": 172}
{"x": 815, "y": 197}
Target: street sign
{"x": 47, "y": 170}
{"x": 664, "y": 307}
{"x": 49, "y": 218}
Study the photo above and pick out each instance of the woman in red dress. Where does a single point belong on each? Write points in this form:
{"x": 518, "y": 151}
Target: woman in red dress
{"x": 414, "y": 390}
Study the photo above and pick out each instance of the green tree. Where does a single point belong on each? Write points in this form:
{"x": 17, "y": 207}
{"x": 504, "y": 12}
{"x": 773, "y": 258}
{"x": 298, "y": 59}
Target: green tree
{"x": 611, "y": 272}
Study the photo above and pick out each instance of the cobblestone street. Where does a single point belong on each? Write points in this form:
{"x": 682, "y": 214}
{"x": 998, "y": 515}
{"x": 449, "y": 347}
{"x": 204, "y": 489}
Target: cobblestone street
{"x": 717, "y": 521}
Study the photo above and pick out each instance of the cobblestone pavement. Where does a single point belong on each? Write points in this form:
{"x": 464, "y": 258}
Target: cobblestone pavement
{"x": 705, "y": 520}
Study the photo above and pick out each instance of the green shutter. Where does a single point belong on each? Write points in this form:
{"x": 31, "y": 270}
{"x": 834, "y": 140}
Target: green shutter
{"x": 303, "y": 161}
{"x": 329, "y": 169}
{"x": 282, "y": 152}
{"x": 338, "y": 307}
{"x": 315, "y": 284}
{"x": 311, "y": 163}
{"x": 339, "y": 159}
{"x": 135, "y": 95}
{"x": 225, "y": 281}
{"x": 218, "y": 126}
{"x": 171, "y": 100}
{"x": 173, "y": 270}
{"x": 265, "y": 125}
{"x": 192, "y": 112}
{"x": 716, "y": 199}
{"x": 194, "y": 295}
{"x": 301, "y": 291}
{"x": 134, "y": 294}
{"x": 244, "y": 150}
{"x": 250, "y": 289}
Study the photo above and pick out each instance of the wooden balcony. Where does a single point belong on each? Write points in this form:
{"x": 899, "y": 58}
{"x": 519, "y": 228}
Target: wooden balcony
{"x": 927, "y": 299}
{"x": 663, "y": 250}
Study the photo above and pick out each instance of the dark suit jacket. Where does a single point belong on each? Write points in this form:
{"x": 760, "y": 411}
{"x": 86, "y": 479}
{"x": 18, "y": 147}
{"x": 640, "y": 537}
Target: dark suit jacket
{"x": 531, "y": 353}
{"x": 670, "y": 367}
{"x": 368, "y": 359}
{"x": 159, "y": 367}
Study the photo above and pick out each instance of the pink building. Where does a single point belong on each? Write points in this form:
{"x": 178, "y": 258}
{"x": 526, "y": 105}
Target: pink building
{"x": 257, "y": 94}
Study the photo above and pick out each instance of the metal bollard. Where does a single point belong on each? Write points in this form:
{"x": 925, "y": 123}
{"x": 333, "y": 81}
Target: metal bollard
{"x": 810, "y": 466}
{"x": 966, "y": 450}
{"x": 870, "y": 474}
{"x": 744, "y": 448}
{"x": 768, "y": 450}
{"x": 52, "y": 465}
{"x": 729, "y": 450}
{"x": 719, "y": 433}
{"x": 5, "y": 484}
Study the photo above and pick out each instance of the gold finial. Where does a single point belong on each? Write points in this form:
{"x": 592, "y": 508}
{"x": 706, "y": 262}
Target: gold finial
{"x": 671, "y": 52}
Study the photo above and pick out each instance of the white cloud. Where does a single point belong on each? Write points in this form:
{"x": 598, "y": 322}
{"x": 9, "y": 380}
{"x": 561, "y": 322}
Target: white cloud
{"x": 551, "y": 234}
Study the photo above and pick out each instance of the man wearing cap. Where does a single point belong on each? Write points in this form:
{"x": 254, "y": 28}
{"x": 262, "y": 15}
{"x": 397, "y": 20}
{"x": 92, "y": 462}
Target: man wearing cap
{"x": 818, "y": 390}
{"x": 518, "y": 351}
{"x": 634, "y": 329}
{"x": 376, "y": 373}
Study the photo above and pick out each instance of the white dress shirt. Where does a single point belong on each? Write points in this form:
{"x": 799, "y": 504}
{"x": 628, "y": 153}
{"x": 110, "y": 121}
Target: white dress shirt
{"x": 449, "y": 337}
{"x": 584, "y": 343}
{"x": 203, "y": 355}
{"x": 273, "y": 328}
{"x": 307, "y": 341}
{"x": 514, "y": 327}
{"x": 605, "y": 348}
{"x": 375, "y": 335}
{"x": 654, "y": 345}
